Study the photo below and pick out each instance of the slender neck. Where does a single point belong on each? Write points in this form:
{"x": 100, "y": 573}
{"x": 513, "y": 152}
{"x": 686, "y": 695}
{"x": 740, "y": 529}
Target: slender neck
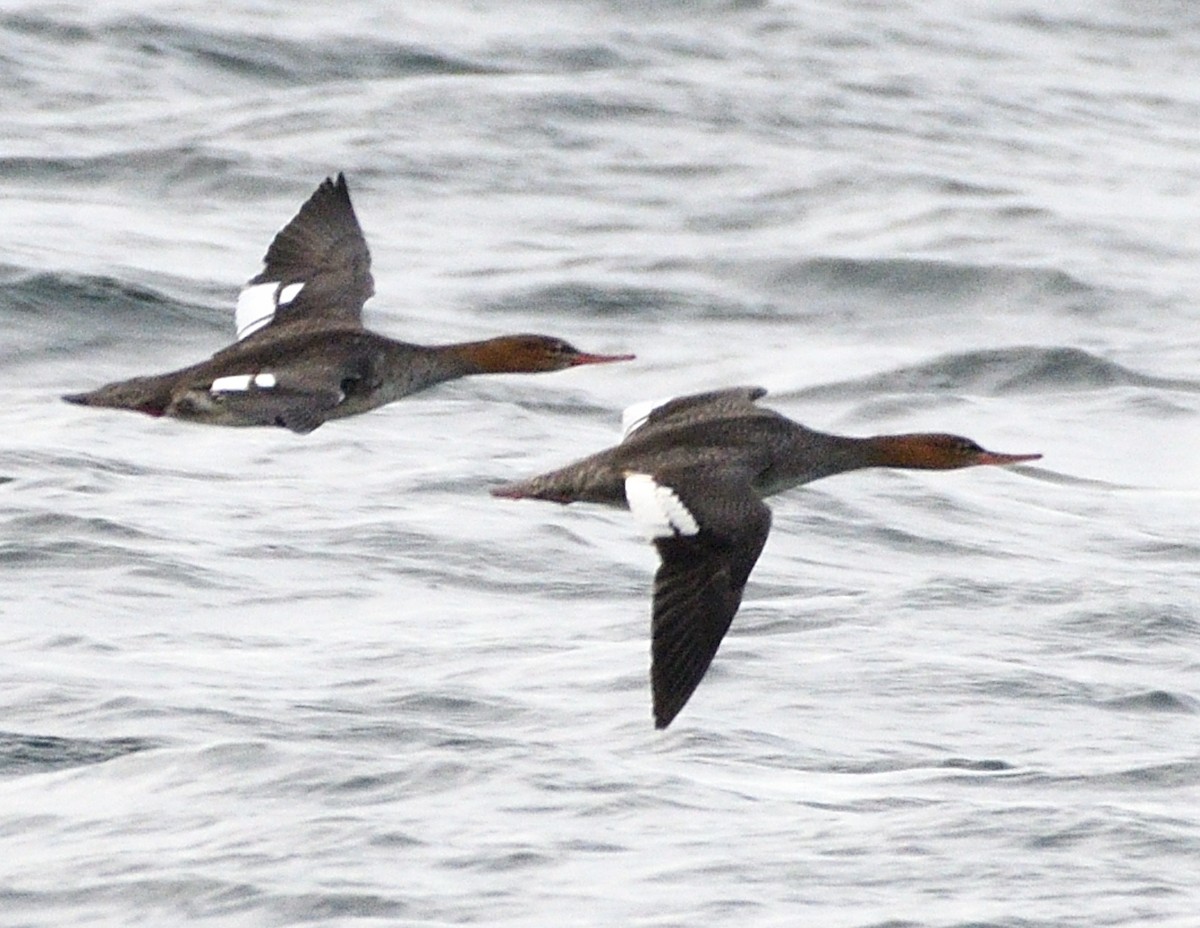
{"x": 910, "y": 451}
{"x": 410, "y": 367}
{"x": 819, "y": 454}
{"x": 828, "y": 454}
{"x": 466, "y": 358}
{"x": 407, "y": 368}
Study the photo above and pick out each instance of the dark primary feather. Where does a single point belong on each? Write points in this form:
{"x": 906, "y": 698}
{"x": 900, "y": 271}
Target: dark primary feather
{"x": 323, "y": 247}
{"x": 698, "y": 586}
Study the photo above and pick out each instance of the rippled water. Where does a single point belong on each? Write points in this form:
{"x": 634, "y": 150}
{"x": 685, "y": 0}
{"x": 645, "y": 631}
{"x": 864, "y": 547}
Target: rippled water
{"x": 259, "y": 679}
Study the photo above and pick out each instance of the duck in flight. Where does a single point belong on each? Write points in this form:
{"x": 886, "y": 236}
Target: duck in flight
{"x": 302, "y": 355}
{"x": 694, "y": 472}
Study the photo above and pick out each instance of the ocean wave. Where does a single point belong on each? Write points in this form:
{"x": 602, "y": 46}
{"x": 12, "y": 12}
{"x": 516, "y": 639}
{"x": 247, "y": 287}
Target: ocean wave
{"x": 145, "y": 46}
{"x": 23, "y": 754}
{"x": 931, "y": 287}
{"x": 166, "y": 165}
{"x": 1153, "y": 701}
{"x": 268, "y": 57}
{"x": 1153, "y": 624}
{"x": 1001, "y": 371}
{"x": 823, "y": 290}
{"x": 55, "y": 313}
{"x": 263, "y": 57}
{"x": 610, "y": 300}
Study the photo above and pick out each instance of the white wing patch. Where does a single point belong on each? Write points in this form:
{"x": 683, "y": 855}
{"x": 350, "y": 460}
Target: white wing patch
{"x": 232, "y": 384}
{"x": 240, "y": 383}
{"x": 255, "y": 308}
{"x": 289, "y": 293}
{"x": 257, "y": 304}
{"x": 635, "y": 416}
{"x": 656, "y": 508}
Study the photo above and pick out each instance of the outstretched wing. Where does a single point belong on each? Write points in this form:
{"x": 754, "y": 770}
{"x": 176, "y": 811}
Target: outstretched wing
{"x": 709, "y": 532}
{"x": 697, "y": 407}
{"x": 318, "y": 267}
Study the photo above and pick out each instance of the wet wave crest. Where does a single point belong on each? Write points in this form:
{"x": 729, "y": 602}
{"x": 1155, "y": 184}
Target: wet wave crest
{"x": 260, "y": 57}
{"x": 1001, "y": 371}
{"x": 613, "y": 300}
{"x": 59, "y": 314}
{"x": 826, "y": 290}
{"x": 22, "y": 754}
{"x": 882, "y": 287}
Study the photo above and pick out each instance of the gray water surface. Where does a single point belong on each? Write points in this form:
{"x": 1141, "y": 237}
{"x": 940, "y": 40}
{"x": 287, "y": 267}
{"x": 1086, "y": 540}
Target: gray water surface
{"x": 252, "y": 678}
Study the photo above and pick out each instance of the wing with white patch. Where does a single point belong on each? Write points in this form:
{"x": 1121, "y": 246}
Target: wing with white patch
{"x": 299, "y": 400}
{"x": 696, "y": 407}
{"x": 259, "y": 304}
{"x": 635, "y": 416}
{"x": 318, "y": 267}
{"x": 709, "y": 532}
{"x": 243, "y": 383}
{"x": 657, "y": 508}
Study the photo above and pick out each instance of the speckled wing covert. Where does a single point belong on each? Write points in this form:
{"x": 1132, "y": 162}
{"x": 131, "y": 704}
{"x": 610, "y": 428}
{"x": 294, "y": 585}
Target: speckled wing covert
{"x": 709, "y": 530}
{"x": 318, "y": 267}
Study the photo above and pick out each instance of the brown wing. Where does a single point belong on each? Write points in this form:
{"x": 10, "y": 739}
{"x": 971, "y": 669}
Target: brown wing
{"x": 695, "y": 407}
{"x": 318, "y": 266}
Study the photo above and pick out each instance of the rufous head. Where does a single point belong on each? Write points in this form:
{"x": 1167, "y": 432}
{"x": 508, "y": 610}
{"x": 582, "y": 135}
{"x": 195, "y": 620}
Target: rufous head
{"x": 533, "y": 354}
{"x": 936, "y": 451}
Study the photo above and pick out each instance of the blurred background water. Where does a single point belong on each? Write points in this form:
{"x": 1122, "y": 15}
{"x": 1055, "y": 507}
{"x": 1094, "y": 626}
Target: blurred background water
{"x": 251, "y": 678}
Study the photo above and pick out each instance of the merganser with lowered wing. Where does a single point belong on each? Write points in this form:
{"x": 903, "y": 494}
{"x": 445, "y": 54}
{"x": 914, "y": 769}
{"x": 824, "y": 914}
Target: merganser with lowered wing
{"x": 694, "y": 472}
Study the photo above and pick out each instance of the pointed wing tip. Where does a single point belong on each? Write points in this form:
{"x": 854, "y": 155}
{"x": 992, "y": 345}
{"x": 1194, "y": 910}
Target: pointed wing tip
{"x": 335, "y": 184}
{"x": 698, "y": 586}
{"x": 670, "y": 697}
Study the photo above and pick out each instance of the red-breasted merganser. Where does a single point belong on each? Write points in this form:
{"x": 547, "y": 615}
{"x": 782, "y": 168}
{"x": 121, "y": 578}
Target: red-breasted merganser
{"x": 303, "y": 356}
{"x": 694, "y": 471}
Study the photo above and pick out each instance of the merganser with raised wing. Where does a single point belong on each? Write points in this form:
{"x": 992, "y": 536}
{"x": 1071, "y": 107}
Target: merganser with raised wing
{"x": 303, "y": 356}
